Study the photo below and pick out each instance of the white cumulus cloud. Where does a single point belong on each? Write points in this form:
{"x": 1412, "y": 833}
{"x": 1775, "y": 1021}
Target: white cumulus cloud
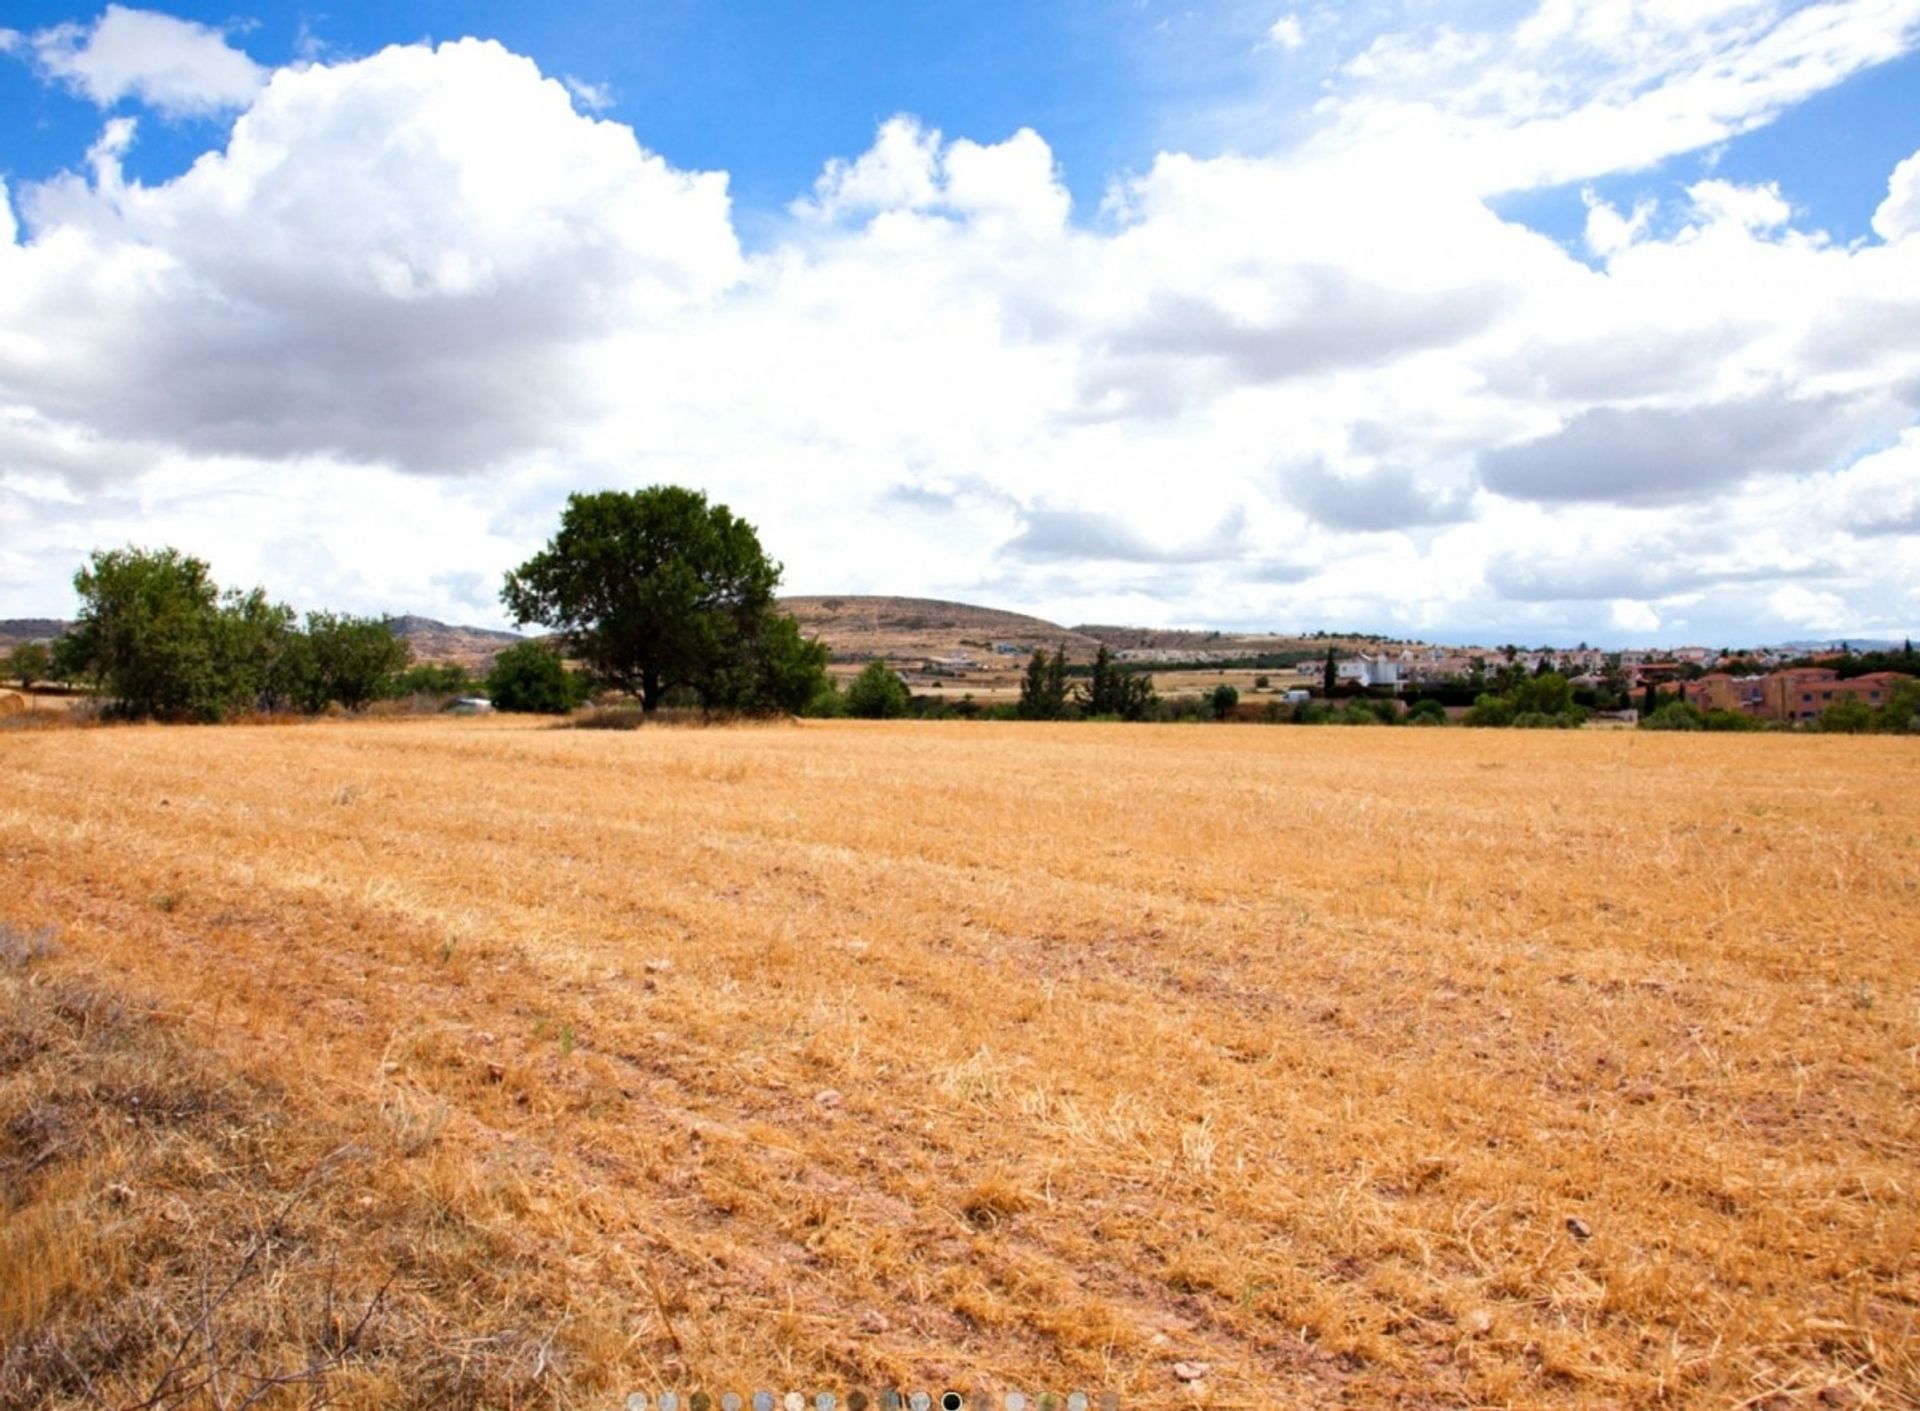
{"x": 1636, "y": 619}
{"x": 402, "y": 259}
{"x": 1287, "y": 32}
{"x": 364, "y": 348}
{"x": 175, "y": 65}
{"x": 1899, "y": 215}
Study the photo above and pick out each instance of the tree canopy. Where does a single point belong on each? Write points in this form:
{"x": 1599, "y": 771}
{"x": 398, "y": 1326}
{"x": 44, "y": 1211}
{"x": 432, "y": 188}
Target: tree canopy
{"x": 1043, "y": 690}
{"x": 159, "y": 638}
{"x": 530, "y": 677}
{"x": 1113, "y": 691}
{"x": 355, "y": 659}
{"x": 657, "y": 590}
{"x": 151, "y": 634}
{"x": 29, "y": 662}
{"x": 877, "y": 693}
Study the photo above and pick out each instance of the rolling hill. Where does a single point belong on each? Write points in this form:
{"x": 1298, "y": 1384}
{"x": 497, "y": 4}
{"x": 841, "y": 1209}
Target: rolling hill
{"x": 858, "y": 628}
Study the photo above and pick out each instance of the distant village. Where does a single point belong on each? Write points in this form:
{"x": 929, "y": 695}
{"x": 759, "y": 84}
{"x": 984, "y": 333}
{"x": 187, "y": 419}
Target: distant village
{"x": 1774, "y": 692}
{"x": 1768, "y": 683}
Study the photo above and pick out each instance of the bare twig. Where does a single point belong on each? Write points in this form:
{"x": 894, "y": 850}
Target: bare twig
{"x": 164, "y": 1388}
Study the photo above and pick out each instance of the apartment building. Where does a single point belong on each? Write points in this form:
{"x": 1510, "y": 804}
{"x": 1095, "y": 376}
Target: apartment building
{"x": 1799, "y": 694}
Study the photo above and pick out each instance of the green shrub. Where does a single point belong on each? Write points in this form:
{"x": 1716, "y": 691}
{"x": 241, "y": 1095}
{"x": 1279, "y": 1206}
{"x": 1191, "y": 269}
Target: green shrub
{"x": 877, "y": 693}
{"x": 436, "y": 678}
{"x": 1546, "y": 720}
{"x": 1901, "y": 714}
{"x": 1674, "y": 715}
{"x": 1184, "y": 709}
{"x": 826, "y": 703}
{"x": 1490, "y": 711}
{"x": 1846, "y": 718}
{"x": 1549, "y": 693}
{"x": 530, "y": 677}
{"x": 30, "y": 662}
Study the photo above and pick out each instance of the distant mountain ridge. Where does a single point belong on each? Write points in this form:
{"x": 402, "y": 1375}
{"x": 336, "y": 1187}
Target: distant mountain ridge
{"x": 31, "y": 629}
{"x": 410, "y": 625}
{"x": 433, "y": 641}
{"x": 1834, "y": 644}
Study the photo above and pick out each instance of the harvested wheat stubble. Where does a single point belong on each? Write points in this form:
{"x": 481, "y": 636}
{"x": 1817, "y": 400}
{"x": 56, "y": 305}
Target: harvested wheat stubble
{"x": 1355, "y": 1067}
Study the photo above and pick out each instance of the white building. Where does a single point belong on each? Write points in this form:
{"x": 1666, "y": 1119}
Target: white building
{"x": 1366, "y": 671}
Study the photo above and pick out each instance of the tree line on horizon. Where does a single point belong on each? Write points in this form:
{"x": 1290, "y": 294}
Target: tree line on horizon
{"x": 656, "y": 593}
{"x": 667, "y": 599}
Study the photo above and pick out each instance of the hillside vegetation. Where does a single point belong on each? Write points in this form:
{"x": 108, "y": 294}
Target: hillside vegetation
{"x": 478, "y": 1063}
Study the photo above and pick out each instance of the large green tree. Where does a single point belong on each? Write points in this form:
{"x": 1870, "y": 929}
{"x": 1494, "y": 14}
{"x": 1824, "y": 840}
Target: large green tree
{"x": 657, "y": 589}
{"x": 355, "y": 659}
{"x": 150, "y": 634}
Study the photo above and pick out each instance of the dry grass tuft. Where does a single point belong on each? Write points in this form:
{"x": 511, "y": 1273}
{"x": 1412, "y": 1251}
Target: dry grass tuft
{"x": 475, "y": 1063}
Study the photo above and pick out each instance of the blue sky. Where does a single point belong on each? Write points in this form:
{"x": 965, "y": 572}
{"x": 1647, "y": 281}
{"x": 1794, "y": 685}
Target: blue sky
{"x": 768, "y": 92}
{"x": 1561, "y": 319}
{"x": 1829, "y": 155}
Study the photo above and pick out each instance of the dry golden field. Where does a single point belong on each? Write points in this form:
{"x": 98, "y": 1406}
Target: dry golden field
{"x": 480, "y": 1063}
